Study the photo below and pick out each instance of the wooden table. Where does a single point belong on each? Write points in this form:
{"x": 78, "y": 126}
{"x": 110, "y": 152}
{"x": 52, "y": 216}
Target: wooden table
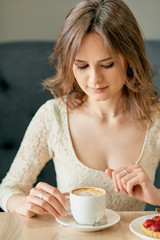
{"x": 17, "y": 227}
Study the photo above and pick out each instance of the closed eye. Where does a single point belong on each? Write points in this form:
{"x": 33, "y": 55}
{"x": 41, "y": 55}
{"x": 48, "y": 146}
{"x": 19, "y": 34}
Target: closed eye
{"x": 108, "y": 66}
{"x": 82, "y": 67}
{"x": 104, "y": 66}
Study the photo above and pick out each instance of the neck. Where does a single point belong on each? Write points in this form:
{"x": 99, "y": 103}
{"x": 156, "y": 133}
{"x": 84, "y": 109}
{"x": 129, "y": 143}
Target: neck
{"x": 105, "y": 109}
{"x": 105, "y": 116}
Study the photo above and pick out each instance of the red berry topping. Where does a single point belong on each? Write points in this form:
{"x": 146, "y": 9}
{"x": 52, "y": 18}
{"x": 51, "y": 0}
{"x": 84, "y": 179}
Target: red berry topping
{"x": 156, "y": 218}
{"x": 148, "y": 223}
{"x": 155, "y": 227}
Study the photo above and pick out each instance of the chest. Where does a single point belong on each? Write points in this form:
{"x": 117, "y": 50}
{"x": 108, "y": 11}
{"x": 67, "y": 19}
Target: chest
{"x": 100, "y": 146}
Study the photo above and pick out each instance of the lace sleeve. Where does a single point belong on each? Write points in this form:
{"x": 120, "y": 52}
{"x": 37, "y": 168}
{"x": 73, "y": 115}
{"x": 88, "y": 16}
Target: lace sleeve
{"x": 30, "y": 159}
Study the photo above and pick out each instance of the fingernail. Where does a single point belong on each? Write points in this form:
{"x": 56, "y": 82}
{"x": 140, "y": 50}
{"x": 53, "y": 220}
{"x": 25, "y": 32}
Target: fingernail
{"x": 116, "y": 190}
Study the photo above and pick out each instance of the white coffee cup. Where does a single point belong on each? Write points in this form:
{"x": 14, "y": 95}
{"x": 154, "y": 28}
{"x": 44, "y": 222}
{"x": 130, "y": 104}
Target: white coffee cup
{"x": 88, "y": 205}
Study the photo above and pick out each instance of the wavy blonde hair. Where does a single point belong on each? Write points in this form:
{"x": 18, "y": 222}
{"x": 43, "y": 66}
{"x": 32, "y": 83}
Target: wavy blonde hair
{"x": 114, "y": 21}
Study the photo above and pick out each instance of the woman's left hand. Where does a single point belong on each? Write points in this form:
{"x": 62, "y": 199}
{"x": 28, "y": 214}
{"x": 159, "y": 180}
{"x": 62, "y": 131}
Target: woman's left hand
{"x": 133, "y": 180}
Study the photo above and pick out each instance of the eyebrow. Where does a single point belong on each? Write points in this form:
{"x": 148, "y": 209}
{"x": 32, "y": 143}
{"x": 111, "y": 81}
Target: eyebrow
{"x": 102, "y": 60}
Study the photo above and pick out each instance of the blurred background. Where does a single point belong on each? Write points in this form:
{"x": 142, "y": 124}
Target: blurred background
{"x": 41, "y": 20}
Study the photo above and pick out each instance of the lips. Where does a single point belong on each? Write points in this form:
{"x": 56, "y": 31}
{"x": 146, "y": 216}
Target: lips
{"x": 97, "y": 90}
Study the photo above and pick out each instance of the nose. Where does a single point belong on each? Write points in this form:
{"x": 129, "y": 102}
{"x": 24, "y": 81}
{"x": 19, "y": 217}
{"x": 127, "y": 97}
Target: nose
{"x": 95, "y": 77}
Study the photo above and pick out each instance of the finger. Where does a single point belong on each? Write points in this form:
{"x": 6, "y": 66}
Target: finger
{"x": 140, "y": 179}
{"x": 115, "y": 184}
{"x": 120, "y": 172}
{"x": 53, "y": 191}
{"x": 133, "y": 167}
{"x": 38, "y": 205}
{"x": 127, "y": 178}
{"x": 32, "y": 208}
{"x": 119, "y": 177}
{"x": 109, "y": 172}
{"x": 51, "y": 200}
{"x": 131, "y": 184}
{"x": 66, "y": 194}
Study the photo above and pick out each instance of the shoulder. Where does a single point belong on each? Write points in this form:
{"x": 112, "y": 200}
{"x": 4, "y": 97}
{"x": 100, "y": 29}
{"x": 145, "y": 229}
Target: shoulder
{"x": 155, "y": 116}
{"x": 55, "y": 106}
{"x": 52, "y": 105}
{"x": 155, "y": 113}
{"x": 53, "y": 112}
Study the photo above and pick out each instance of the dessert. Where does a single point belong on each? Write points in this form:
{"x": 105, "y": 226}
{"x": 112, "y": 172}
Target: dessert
{"x": 151, "y": 227}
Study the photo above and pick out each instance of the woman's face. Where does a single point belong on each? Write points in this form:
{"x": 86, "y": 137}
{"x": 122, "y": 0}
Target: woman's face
{"x": 95, "y": 70}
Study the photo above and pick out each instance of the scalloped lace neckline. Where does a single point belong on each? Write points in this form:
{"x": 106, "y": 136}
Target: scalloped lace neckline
{"x": 67, "y": 128}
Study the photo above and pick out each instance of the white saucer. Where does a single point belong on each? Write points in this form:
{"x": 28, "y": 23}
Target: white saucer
{"x": 135, "y": 226}
{"x": 68, "y": 221}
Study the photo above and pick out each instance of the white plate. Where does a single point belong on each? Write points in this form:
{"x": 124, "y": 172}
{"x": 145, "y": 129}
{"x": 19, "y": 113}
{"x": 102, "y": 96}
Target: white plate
{"x": 135, "y": 226}
{"x": 68, "y": 221}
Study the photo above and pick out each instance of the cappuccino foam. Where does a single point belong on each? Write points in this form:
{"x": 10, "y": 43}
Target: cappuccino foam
{"x": 88, "y": 192}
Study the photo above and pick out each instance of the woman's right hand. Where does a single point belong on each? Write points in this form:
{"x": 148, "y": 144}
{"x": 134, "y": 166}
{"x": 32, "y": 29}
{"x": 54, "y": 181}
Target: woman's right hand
{"x": 53, "y": 201}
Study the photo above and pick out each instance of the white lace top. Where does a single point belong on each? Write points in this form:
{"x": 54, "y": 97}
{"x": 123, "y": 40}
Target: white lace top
{"x": 48, "y": 137}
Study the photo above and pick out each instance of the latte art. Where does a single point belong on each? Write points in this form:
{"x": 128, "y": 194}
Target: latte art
{"x": 88, "y": 192}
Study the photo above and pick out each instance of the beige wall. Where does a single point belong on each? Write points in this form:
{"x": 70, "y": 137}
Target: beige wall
{"x": 42, "y": 19}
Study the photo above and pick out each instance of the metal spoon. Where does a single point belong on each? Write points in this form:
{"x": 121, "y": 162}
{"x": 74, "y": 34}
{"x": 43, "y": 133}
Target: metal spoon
{"x": 103, "y": 221}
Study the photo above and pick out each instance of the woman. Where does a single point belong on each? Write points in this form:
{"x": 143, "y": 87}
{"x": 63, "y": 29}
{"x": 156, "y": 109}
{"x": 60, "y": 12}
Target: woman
{"x": 103, "y": 129}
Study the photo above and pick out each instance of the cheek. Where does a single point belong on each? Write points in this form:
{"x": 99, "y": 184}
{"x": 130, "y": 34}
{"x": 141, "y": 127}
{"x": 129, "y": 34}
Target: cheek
{"x": 118, "y": 77}
{"x": 76, "y": 73}
{"x": 76, "y": 76}
{"x": 79, "y": 75}
{"x": 119, "y": 82}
